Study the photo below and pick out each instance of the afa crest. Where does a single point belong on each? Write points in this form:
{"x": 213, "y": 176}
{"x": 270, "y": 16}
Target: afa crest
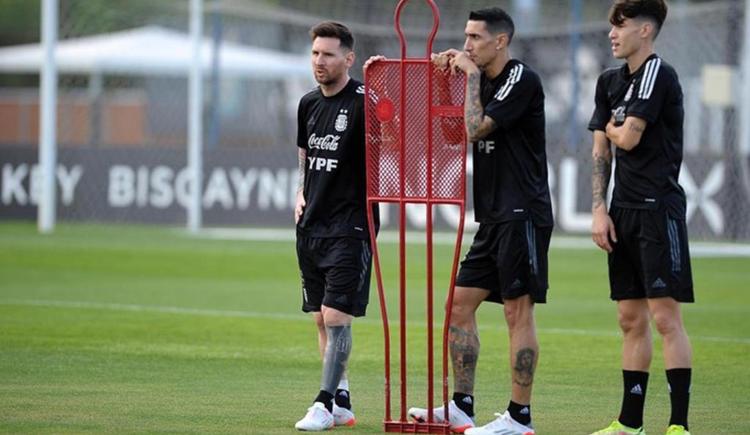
{"x": 341, "y": 121}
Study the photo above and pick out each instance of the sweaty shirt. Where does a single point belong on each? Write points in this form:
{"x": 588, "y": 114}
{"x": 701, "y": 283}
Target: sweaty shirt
{"x": 646, "y": 176}
{"x": 332, "y": 130}
{"x": 510, "y": 164}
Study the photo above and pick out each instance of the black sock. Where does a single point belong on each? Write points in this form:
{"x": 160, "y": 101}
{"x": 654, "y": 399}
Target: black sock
{"x": 326, "y": 399}
{"x": 633, "y": 398}
{"x": 520, "y": 413}
{"x": 342, "y": 399}
{"x": 678, "y": 381}
{"x": 465, "y": 403}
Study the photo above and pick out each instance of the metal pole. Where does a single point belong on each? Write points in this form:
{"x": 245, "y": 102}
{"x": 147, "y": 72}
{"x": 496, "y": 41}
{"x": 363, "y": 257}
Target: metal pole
{"x": 737, "y": 202}
{"x": 215, "y": 124}
{"x": 743, "y": 146}
{"x": 47, "y": 119}
{"x": 96, "y": 87}
{"x": 195, "y": 117}
{"x": 744, "y": 121}
{"x": 575, "y": 90}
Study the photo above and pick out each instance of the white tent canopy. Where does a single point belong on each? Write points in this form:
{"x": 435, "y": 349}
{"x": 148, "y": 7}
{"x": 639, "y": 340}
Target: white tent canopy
{"x": 152, "y": 51}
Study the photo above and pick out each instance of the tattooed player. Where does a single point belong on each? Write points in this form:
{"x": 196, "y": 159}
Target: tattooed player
{"x": 639, "y": 112}
{"x": 333, "y": 247}
{"x": 507, "y": 262}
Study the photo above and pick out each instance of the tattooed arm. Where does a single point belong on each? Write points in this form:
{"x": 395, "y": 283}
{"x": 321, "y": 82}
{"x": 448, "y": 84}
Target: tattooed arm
{"x": 299, "y": 206}
{"x": 628, "y": 135}
{"x": 602, "y": 228}
{"x": 478, "y": 126}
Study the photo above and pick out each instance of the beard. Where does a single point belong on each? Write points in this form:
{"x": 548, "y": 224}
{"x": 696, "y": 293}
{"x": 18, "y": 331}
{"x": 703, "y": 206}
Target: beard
{"x": 327, "y": 78}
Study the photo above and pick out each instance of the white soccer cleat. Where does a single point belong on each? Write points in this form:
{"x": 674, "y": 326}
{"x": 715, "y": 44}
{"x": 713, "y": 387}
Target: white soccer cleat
{"x": 343, "y": 416}
{"x": 317, "y": 419}
{"x": 459, "y": 421}
{"x": 502, "y": 425}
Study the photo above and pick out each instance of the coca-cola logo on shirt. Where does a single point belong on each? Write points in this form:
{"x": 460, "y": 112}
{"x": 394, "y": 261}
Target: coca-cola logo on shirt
{"x": 328, "y": 142}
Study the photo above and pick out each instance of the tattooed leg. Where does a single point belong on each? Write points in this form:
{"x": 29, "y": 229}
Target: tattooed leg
{"x": 524, "y": 348}
{"x": 464, "y": 348}
{"x": 338, "y": 348}
{"x": 463, "y": 338}
{"x": 523, "y": 369}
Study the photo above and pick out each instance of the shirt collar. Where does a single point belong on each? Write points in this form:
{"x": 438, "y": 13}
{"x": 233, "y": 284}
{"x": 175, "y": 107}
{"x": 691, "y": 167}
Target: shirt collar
{"x": 625, "y": 71}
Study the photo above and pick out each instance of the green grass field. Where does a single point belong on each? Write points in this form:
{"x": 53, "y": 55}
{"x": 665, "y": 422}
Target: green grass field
{"x": 148, "y": 330}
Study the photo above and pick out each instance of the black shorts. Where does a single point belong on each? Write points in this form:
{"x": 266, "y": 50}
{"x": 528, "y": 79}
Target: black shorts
{"x": 509, "y": 259}
{"x": 651, "y": 257}
{"x": 335, "y": 273}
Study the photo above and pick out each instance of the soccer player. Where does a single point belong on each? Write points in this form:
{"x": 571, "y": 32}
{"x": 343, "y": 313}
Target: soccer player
{"x": 507, "y": 262}
{"x": 333, "y": 246}
{"x": 639, "y": 111}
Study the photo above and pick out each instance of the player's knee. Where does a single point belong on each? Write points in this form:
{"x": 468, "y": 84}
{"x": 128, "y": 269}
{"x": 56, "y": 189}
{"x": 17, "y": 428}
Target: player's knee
{"x": 511, "y": 315}
{"x": 464, "y": 306}
{"x": 667, "y": 324}
{"x": 633, "y": 322}
{"x": 319, "y": 322}
{"x": 518, "y": 313}
{"x": 334, "y": 317}
{"x": 461, "y": 314}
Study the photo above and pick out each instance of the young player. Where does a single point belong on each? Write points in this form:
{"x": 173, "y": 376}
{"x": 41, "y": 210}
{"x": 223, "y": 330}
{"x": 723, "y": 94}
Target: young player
{"x": 639, "y": 111}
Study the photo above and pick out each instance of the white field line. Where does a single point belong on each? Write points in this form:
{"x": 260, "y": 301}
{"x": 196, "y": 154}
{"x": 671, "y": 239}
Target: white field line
{"x": 697, "y": 249}
{"x": 305, "y": 318}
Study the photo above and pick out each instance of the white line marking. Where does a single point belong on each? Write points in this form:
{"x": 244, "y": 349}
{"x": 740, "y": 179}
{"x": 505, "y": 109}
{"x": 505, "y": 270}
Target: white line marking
{"x": 302, "y": 317}
{"x": 697, "y": 249}
{"x": 152, "y": 309}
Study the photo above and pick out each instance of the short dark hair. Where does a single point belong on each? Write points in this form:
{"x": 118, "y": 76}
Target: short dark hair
{"x": 654, "y": 10}
{"x": 496, "y": 19}
{"x": 332, "y": 29}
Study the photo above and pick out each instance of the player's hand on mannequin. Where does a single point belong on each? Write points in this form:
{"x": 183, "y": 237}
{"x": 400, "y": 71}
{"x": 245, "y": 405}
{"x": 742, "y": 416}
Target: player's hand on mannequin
{"x": 440, "y": 60}
{"x": 603, "y": 230}
{"x": 373, "y": 59}
{"x": 299, "y": 207}
{"x": 462, "y": 62}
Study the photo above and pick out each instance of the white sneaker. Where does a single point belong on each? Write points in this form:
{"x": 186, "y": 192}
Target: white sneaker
{"x": 459, "y": 421}
{"x": 502, "y": 425}
{"x": 317, "y": 419}
{"x": 343, "y": 416}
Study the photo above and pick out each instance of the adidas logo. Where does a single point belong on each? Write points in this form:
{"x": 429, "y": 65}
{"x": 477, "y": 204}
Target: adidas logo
{"x": 658, "y": 283}
{"x": 467, "y": 400}
{"x": 525, "y": 410}
{"x": 637, "y": 390}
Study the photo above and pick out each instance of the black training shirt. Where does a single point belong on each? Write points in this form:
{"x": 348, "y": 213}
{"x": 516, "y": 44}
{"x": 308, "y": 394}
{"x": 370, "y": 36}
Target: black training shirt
{"x": 646, "y": 176}
{"x": 510, "y": 164}
{"x": 332, "y": 130}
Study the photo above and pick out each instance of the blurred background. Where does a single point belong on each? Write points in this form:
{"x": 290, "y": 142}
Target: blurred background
{"x": 122, "y": 103}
